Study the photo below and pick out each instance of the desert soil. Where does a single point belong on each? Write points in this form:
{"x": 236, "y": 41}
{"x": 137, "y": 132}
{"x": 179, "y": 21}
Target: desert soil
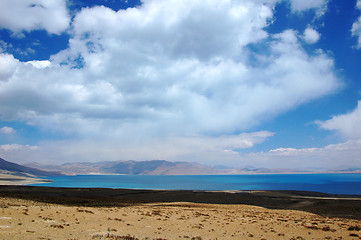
{"x": 28, "y": 219}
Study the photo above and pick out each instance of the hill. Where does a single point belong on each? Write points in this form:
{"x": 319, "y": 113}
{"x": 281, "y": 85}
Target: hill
{"x": 19, "y": 170}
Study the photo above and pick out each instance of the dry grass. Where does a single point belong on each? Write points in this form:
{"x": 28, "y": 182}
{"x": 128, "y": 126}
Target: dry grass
{"x": 169, "y": 221}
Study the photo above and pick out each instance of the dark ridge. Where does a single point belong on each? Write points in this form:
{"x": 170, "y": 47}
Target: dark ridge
{"x": 319, "y": 203}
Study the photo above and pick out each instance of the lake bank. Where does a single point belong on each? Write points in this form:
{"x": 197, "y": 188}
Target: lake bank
{"x": 11, "y": 179}
{"x": 328, "y": 183}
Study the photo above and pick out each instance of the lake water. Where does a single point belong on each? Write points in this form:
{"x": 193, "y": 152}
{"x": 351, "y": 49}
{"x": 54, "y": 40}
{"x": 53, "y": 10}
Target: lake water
{"x": 327, "y": 183}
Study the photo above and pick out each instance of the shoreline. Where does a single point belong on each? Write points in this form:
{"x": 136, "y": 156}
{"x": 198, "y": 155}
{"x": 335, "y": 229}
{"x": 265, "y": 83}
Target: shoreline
{"x": 215, "y": 174}
{"x": 13, "y": 179}
{"x": 10, "y": 179}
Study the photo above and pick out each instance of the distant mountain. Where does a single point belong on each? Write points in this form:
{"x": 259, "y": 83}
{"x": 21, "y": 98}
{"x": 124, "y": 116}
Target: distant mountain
{"x": 17, "y": 169}
{"x": 347, "y": 170}
{"x": 156, "y": 167}
{"x": 152, "y": 167}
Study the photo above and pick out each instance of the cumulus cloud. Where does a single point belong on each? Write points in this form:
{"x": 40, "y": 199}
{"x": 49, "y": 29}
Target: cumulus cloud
{"x": 25, "y": 15}
{"x": 7, "y": 130}
{"x": 40, "y": 64}
{"x": 356, "y": 27}
{"x": 167, "y": 67}
{"x": 310, "y": 35}
{"x": 7, "y": 66}
{"x": 348, "y": 125}
{"x": 166, "y": 80}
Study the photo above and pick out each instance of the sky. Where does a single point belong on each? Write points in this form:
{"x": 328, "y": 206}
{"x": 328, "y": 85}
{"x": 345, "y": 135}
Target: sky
{"x": 236, "y": 83}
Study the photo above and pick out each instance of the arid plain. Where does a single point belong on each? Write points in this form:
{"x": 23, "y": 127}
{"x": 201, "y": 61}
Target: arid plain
{"x": 52, "y": 213}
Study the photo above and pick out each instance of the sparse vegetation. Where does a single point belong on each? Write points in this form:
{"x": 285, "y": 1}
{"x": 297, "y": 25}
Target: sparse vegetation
{"x": 85, "y": 211}
{"x": 354, "y": 228}
{"x": 113, "y": 237}
{"x": 56, "y": 226}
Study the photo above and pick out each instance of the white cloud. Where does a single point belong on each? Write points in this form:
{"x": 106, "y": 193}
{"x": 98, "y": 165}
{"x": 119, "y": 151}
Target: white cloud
{"x": 40, "y": 64}
{"x": 301, "y": 5}
{"x": 348, "y": 125}
{"x": 356, "y": 27}
{"x": 7, "y": 130}
{"x": 16, "y": 147}
{"x": 310, "y": 35}
{"x": 18, "y": 153}
{"x": 180, "y": 29}
{"x": 332, "y": 157}
{"x": 20, "y": 15}
{"x": 7, "y": 66}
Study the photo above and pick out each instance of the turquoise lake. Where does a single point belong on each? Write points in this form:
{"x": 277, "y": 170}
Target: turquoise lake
{"x": 326, "y": 183}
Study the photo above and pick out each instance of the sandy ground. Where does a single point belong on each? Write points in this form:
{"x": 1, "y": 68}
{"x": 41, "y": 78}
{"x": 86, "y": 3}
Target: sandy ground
{"x": 27, "y": 219}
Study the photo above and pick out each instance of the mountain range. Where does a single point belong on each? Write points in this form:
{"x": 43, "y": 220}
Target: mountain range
{"x": 152, "y": 167}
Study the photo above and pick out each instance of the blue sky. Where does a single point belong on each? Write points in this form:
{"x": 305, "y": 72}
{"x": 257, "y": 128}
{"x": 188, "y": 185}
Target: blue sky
{"x": 266, "y": 83}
